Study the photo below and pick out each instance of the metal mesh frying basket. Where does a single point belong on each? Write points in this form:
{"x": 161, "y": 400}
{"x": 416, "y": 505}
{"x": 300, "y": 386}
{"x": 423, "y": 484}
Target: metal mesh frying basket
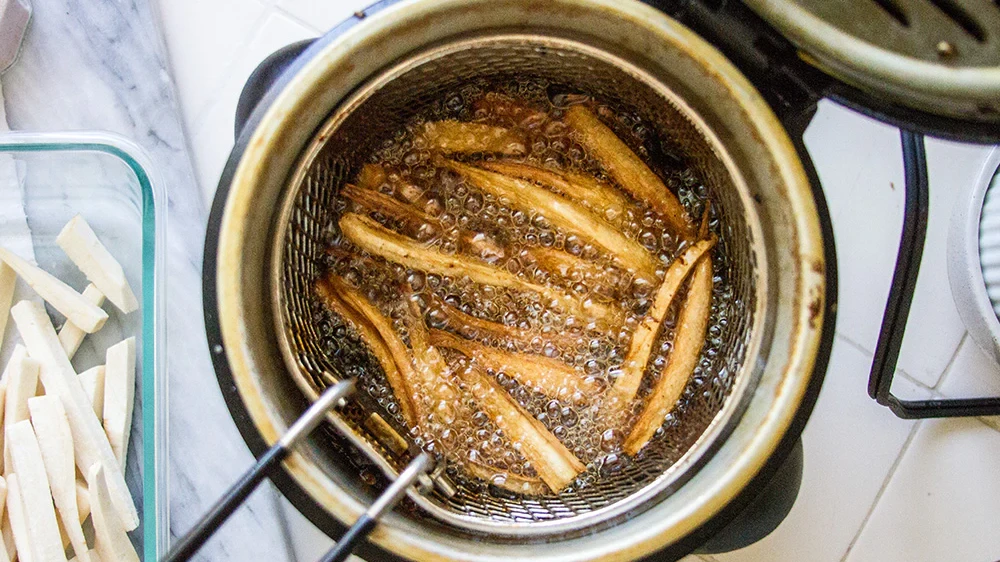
{"x": 713, "y": 399}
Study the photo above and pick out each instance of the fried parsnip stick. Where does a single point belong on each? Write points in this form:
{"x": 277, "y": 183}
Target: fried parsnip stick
{"x": 508, "y": 110}
{"x": 436, "y": 390}
{"x": 457, "y": 137}
{"x": 626, "y": 168}
{"x": 645, "y": 333}
{"x": 388, "y": 206}
{"x": 590, "y": 191}
{"x": 470, "y": 327}
{"x": 374, "y": 176}
{"x": 375, "y": 239}
{"x": 527, "y": 485}
{"x": 551, "y": 377}
{"x": 565, "y": 214}
{"x": 555, "y": 464}
{"x": 377, "y": 332}
{"x": 688, "y": 341}
{"x": 565, "y": 264}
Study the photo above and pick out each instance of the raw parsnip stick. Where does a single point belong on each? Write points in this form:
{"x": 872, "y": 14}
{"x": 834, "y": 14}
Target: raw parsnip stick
{"x": 692, "y": 323}
{"x": 7, "y": 533}
{"x": 61, "y": 296}
{"x": 110, "y": 538}
{"x": 55, "y": 441}
{"x": 376, "y": 331}
{"x": 527, "y": 485}
{"x": 549, "y": 376}
{"x": 645, "y": 333}
{"x": 18, "y": 521}
{"x": 626, "y": 168}
{"x": 82, "y": 499}
{"x": 8, "y": 280}
{"x": 119, "y": 396}
{"x": 90, "y": 443}
{"x": 563, "y": 213}
{"x": 553, "y": 462}
{"x": 93, "y": 384}
{"x": 375, "y": 239}
{"x": 92, "y": 555}
{"x": 457, "y": 137}
{"x": 36, "y": 496}
{"x": 5, "y": 552}
{"x": 70, "y": 335}
{"x": 600, "y": 197}
{"x": 476, "y": 328}
{"x": 82, "y": 246}
{"x": 21, "y": 377}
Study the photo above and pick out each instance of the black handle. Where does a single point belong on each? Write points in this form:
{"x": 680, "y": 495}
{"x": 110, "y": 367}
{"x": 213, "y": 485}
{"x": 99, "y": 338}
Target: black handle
{"x": 263, "y": 77}
{"x": 226, "y": 505}
{"x": 345, "y": 545}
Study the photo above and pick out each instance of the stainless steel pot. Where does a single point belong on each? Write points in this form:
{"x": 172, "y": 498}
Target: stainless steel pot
{"x": 267, "y": 226}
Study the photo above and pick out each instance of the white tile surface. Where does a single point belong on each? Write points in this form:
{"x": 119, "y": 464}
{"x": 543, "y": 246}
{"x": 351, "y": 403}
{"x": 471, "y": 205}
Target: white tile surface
{"x": 943, "y": 502}
{"x": 850, "y": 445}
{"x": 973, "y": 374}
{"x": 323, "y": 15}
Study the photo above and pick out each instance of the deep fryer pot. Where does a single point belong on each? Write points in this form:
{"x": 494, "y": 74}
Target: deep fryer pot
{"x": 305, "y": 100}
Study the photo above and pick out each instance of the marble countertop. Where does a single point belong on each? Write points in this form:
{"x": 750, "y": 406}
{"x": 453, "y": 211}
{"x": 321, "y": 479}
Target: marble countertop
{"x": 875, "y": 487}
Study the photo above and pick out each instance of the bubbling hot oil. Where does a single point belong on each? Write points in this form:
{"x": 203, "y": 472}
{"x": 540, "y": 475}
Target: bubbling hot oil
{"x": 470, "y": 222}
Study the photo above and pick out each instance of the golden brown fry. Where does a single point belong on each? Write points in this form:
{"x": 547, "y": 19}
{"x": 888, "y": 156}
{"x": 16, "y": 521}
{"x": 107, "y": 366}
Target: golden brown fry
{"x": 508, "y": 110}
{"x": 645, "y": 333}
{"x": 422, "y": 223}
{"x": 481, "y": 245}
{"x": 375, "y": 239}
{"x": 470, "y": 327}
{"x": 376, "y": 331}
{"x": 593, "y": 193}
{"x": 372, "y": 176}
{"x": 626, "y": 168}
{"x": 565, "y": 265}
{"x": 436, "y": 390}
{"x": 688, "y": 341}
{"x": 549, "y": 376}
{"x": 565, "y": 214}
{"x": 553, "y": 462}
{"x": 527, "y": 485}
{"x": 458, "y": 137}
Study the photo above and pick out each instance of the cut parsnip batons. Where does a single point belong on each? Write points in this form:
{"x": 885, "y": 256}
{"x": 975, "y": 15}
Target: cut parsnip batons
{"x": 83, "y": 499}
{"x": 18, "y": 522}
{"x": 8, "y": 280}
{"x": 82, "y": 246}
{"x": 36, "y": 496}
{"x": 21, "y": 376}
{"x": 93, "y": 384}
{"x": 55, "y": 441}
{"x": 61, "y": 296}
{"x": 119, "y": 396}
{"x": 110, "y": 538}
{"x": 5, "y": 553}
{"x": 70, "y": 335}
{"x": 89, "y": 441}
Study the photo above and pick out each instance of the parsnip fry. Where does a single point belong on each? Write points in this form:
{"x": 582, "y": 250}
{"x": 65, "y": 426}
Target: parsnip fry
{"x": 18, "y": 521}
{"x": 526, "y": 485}
{"x": 82, "y": 246}
{"x": 457, "y": 137}
{"x": 8, "y": 280}
{"x": 567, "y": 266}
{"x": 416, "y": 219}
{"x": 375, "y": 239}
{"x": 436, "y": 390}
{"x": 626, "y": 168}
{"x": 688, "y": 341}
{"x": 553, "y": 462}
{"x": 549, "y": 376}
{"x": 645, "y": 333}
{"x": 61, "y": 296}
{"x": 70, "y": 335}
{"x": 93, "y": 384}
{"x": 604, "y": 199}
{"x": 563, "y": 213}
{"x": 110, "y": 538}
{"x": 90, "y": 444}
{"x": 470, "y": 327}
{"x": 55, "y": 441}
{"x": 119, "y": 396}
{"x": 40, "y": 515}
{"x": 376, "y": 331}
{"x": 21, "y": 376}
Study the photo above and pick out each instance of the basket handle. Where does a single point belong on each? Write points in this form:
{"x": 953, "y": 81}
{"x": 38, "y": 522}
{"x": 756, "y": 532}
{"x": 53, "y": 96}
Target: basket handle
{"x": 263, "y": 77}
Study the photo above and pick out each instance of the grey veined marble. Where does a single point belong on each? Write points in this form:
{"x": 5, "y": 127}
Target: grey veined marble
{"x": 100, "y": 64}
